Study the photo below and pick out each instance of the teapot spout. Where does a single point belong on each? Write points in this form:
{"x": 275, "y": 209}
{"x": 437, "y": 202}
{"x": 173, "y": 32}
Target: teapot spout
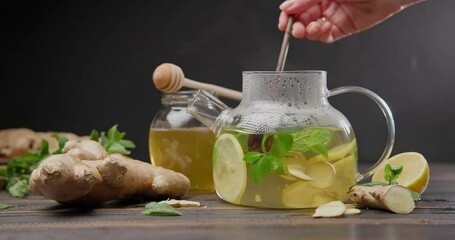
{"x": 209, "y": 110}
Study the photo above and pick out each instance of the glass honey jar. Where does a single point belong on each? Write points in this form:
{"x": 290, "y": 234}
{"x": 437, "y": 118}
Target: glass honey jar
{"x": 179, "y": 142}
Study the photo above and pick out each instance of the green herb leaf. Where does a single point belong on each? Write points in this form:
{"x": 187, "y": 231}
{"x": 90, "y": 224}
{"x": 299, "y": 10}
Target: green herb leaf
{"x": 5, "y": 206}
{"x": 281, "y": 144}
{"x": 113, "y": 142}
{"x": 392, "y": 173}
{"x": 94, "y": 135}
{"x": 61, "y": 143}
{"x": 160, "y": 209}
{"x": 415, "y": 196}
{"x": 313, "y": 140}
{"x": 252, "y": 157}
{"x": 127, "y": 143}
{"x": 264, "y": 165}
{"x": 18, "y": 188}
{"x": 44, "y": 152}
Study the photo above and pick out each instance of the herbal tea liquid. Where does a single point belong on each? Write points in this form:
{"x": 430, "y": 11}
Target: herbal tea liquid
{"x": 288, "y": 169}
{"x": 188, "y": 151}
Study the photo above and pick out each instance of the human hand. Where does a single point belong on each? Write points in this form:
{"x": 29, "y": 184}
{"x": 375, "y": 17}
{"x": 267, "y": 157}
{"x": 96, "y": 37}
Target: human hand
{"x": 330, "y": 20}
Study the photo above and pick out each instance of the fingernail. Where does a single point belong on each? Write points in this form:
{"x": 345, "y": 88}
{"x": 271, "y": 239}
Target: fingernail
{"x": 286, "y": 5}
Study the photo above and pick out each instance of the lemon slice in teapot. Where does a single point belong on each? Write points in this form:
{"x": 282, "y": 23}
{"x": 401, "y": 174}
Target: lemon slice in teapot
{"x": 229, "y": 169}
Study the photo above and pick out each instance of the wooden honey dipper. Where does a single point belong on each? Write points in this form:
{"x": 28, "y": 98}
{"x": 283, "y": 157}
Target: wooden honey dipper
{"x": 169, "y": 77}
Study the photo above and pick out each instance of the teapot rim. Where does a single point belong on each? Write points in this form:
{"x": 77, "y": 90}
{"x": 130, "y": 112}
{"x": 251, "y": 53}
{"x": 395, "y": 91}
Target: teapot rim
{"x": 285, "y": 72}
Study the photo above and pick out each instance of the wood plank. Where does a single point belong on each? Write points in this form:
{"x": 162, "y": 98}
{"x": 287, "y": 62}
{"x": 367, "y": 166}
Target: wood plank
{"x": 38, "y": 218}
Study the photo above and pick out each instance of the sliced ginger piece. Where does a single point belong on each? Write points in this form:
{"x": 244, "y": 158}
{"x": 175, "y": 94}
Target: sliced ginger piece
{"x": 295, "y": 165}
{"x": 298, "y": 172}
{"x": 352, "y": 211}
{"x": 181, "y": 203}
{"x": 322, "y": 174}
{"x": 331, "y": 209}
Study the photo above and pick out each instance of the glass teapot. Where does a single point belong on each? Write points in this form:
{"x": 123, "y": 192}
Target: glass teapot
{"x": 285, "y": 146}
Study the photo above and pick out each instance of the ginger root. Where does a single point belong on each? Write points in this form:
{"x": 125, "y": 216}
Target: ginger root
{"x": 68, "y": 179}
{"x": 18, "y": 141}
{"x": 395, "y": 198}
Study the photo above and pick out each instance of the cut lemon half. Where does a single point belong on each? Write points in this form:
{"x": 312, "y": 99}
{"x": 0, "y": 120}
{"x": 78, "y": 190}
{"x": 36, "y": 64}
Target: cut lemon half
{"x": 229, "y": 169}
{"x": 415, "y": 174}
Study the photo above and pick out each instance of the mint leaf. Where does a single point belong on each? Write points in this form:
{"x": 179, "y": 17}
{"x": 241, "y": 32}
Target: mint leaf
{"x": 160, "y": 209}
{"x": 127, "y": 143}
{"x": 114, "y": 135}
{"x": 264, "y": 165}
{"x": 113, "y": 142}
{"x": 94, "y": 135}
{"x": 5, "y": 206}
{"x": 281, "y": 144}
{"x": 313, "y": 139}
{"x": 61, "y": 143}
{"x": 117, "y": 148}
{"x": 415, "y": 196}
{"x": 252, "y": 157}
{"x": 392, "y": 173}
{"x": 18, "y": 188}
{"x": 44, "y": 152}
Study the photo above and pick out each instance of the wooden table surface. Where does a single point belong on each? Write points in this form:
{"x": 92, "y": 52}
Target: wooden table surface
{"x": 38, "y": 218}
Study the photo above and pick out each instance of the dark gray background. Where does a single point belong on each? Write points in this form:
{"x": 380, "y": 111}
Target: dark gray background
{"x": 78, "y": 65}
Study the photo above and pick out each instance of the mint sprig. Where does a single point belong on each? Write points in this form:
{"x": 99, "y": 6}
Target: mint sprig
{"x": 272, "y": 158}
{"x": 392, "y": 173}
{"x": 114, "y": 141}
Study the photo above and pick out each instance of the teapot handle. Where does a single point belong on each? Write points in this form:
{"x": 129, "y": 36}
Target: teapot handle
{"x": 389, "y": 119}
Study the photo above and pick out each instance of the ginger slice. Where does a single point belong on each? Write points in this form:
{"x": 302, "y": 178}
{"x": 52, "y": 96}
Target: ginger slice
{"x": 295, "y": 165}
{"x": 298, "y": 172}
{"x": 181, "y": 203}
{"x": 331, "y": 209}
{"x": 322, "y": 174}
{"x": 352, "y": 211}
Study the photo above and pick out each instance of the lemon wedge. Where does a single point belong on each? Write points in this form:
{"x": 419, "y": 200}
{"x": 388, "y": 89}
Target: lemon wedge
{"x": 416, "y": 172}
{"x": 229, "y": 169}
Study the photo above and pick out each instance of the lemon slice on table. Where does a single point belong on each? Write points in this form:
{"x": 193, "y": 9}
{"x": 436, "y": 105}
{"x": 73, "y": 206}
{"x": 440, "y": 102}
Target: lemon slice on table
{"x": 416, "y": 172}
{"x": 229, "y": 169}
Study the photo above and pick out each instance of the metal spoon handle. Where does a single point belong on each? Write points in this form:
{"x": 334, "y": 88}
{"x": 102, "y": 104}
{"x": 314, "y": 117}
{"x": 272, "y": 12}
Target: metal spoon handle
{"x": 285, "y": 45}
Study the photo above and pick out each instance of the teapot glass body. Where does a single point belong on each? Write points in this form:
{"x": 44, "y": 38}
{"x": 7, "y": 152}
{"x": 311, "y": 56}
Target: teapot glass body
{"x": 284, "y": 146}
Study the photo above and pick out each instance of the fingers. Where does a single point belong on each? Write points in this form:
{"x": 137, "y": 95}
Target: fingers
{"x": 283, "y": 21}
{"x": 298, "y": 30}
{"x": 326, "y": 32}
{"x": 323, "y": 31}
{"x": 297, "y": 6}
